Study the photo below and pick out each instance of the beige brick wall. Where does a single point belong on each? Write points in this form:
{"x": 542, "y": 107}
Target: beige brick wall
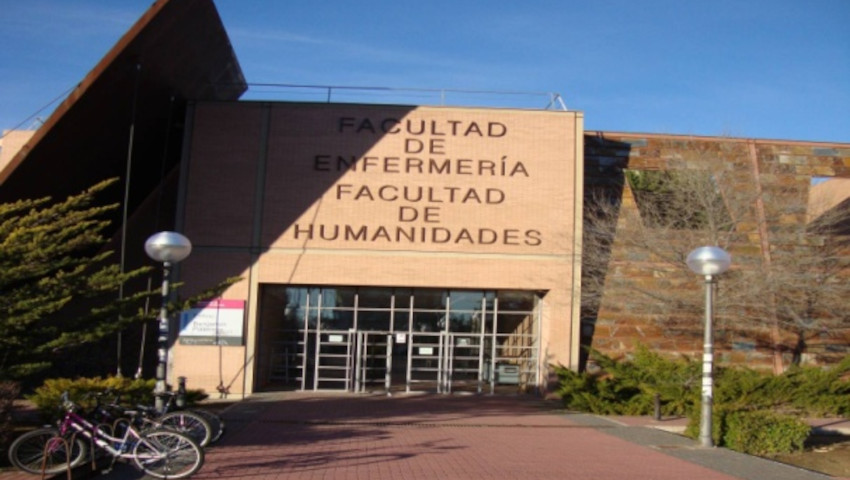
{"x": 263, "y": 181}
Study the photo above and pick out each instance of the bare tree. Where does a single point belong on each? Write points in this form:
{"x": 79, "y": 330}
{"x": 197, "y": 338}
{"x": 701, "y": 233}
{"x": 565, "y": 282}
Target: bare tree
{"x": 788, "y": 283}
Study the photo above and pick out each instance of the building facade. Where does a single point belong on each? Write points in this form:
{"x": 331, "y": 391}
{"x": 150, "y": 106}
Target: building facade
{"x": 401, "y": 248}
{"x": 404, "y": 248}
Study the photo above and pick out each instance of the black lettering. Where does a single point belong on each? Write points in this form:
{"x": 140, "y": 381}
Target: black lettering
{"x": 464, "y": 166}
{"x": 495, "y": 196}
{"x": 342, "y": 163}
{"x": 487, "y": 236}
{"x": 434, "y": 130}
{"x": 390, "y": 125}
{"x": 519, "y": 168}
{"x": 440, "y": 235}
{"x": 464, "y": 236}
{"x": 364, "y": 192}
{"x": 321, "y": 163}
{"x": 410, "y": 127}
{"x": 381, "y": 233}
{"x": 435, "y": 167}
{"x": 431, "y": 215}
{"x": 388, "y": 198}
{"x": 414, "y": 164}
{"x": 345, "y": 122}
{"x": 360, "y": 234}
{"x": 366, "y": 124}
{"x": 298, "y": 230}
{"x": 471, "y": 195}
{"x": 343, "y": 188}
{"x": 324, "y": 236}
{"x": 438, "y": 146}
{"x": 412, "y": 198}
{"x": 407, "y": 214}
{"x": 368, "y": 162}
{"x": 412, "y": 145}
{"x": 391, "y": 165}
{"x": 487, "y": 166}
{"x": 473, "y": 128}
{"x": 409, "y": 234}
{"x": 496, "y": 129}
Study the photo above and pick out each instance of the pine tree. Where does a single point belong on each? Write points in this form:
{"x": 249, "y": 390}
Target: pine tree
{"x": 52, "y": 258}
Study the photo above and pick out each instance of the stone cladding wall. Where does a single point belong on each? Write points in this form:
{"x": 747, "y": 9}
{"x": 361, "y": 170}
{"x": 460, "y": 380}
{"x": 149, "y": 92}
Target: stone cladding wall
{"x": 619, "y": 322}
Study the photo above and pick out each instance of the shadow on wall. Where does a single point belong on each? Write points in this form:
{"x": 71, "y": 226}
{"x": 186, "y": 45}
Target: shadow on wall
{"x": 604, "y": 181}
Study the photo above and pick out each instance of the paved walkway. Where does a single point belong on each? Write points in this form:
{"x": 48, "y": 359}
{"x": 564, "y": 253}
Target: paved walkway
{"x": 326, "y": 436}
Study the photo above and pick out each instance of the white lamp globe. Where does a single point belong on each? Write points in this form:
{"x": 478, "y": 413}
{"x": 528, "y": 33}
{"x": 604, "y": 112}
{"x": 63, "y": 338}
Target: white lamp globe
{"x": 170, "y": 247}
{"x": 709, "y": 261}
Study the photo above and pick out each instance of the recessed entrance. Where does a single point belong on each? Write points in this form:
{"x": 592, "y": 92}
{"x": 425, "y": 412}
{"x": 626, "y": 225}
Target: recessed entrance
{"x": 361, "y": 339}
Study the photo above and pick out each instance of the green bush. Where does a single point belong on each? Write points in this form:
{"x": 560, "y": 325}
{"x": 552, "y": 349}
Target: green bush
{"x": 133, "y": 392}
{"x": 802, "y": 391}
{"x": 820, "y": 391}
{"x": 764, "y": 433}
{"x": 746, "y": 401}
{"x": 630, "y": 387}
{"x": 719, "y": 417}
{"x": 47, "y": 397}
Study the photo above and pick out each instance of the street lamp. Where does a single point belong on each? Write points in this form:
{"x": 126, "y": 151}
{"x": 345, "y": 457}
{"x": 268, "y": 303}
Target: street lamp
{"x": 168, "y": 248}
{"x": 708, "y": 262}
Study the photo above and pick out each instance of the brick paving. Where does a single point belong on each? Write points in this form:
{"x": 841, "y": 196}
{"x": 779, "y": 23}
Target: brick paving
{"x": 300, "y": 436}
{"x": 306, "y": 436}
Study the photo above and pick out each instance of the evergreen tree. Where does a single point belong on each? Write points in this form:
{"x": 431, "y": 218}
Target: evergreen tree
{"x": 53, "y": 261}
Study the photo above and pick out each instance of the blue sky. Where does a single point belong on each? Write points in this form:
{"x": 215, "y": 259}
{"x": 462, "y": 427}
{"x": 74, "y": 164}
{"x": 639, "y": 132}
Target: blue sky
{"x": 747, "y": 68}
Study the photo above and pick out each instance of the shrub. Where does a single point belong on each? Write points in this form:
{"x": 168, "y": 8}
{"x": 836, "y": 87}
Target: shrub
{"x": 764, "y": 433}
{"x": 719, "y": 416}
{"x": 133, "y": 392}
{"x": 820, "y": 391}
{"x": 803, "y": 391}
{"x": 630, "y": 387}
{"x": 46, "y": 397}
{"x": 746, "y": 401}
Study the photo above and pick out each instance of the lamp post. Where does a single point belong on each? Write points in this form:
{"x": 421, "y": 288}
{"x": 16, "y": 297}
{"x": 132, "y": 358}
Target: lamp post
{"x": 708, "y": 262}
{"x": 168, "y": 248}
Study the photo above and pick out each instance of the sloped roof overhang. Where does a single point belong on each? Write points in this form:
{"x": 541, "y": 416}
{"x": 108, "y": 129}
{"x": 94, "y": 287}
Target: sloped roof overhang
{"x": 176, "y": 52}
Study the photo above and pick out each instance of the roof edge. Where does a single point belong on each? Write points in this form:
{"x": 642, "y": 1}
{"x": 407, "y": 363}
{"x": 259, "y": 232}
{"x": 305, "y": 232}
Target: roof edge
{"x": 82, "y": 87}
{"x": 603, "y": 134}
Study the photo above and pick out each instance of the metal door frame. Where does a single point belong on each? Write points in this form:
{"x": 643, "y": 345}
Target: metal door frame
{"x": 352, "y": 353}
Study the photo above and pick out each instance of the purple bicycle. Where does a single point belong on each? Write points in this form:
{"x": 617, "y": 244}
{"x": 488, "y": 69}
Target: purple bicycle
{"x": 159, "y": 453}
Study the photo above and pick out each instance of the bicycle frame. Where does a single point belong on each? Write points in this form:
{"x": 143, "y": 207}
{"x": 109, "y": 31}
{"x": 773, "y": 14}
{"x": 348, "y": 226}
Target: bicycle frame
{"x": 118, "y": 447}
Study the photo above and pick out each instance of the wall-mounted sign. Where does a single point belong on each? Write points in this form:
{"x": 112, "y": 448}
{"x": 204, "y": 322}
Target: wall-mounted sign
{"x": 217, "y": 322}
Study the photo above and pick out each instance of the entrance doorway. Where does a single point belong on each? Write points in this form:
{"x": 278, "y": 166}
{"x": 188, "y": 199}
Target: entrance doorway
{"x": 368, "y": 339}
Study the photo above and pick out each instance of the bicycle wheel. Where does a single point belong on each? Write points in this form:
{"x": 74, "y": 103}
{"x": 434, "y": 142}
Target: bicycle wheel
{"x": 215, "y": 421}
{"x": 166, "y": 454}
{"x": 189, "y": 423}
{"x": 44, "y": 451}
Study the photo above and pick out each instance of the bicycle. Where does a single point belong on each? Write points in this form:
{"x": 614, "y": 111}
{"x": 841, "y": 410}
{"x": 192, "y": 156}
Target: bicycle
{"x": 190, "y": 422}
{"x": 213, "y": 419}
{"x": 159, "y": 453}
